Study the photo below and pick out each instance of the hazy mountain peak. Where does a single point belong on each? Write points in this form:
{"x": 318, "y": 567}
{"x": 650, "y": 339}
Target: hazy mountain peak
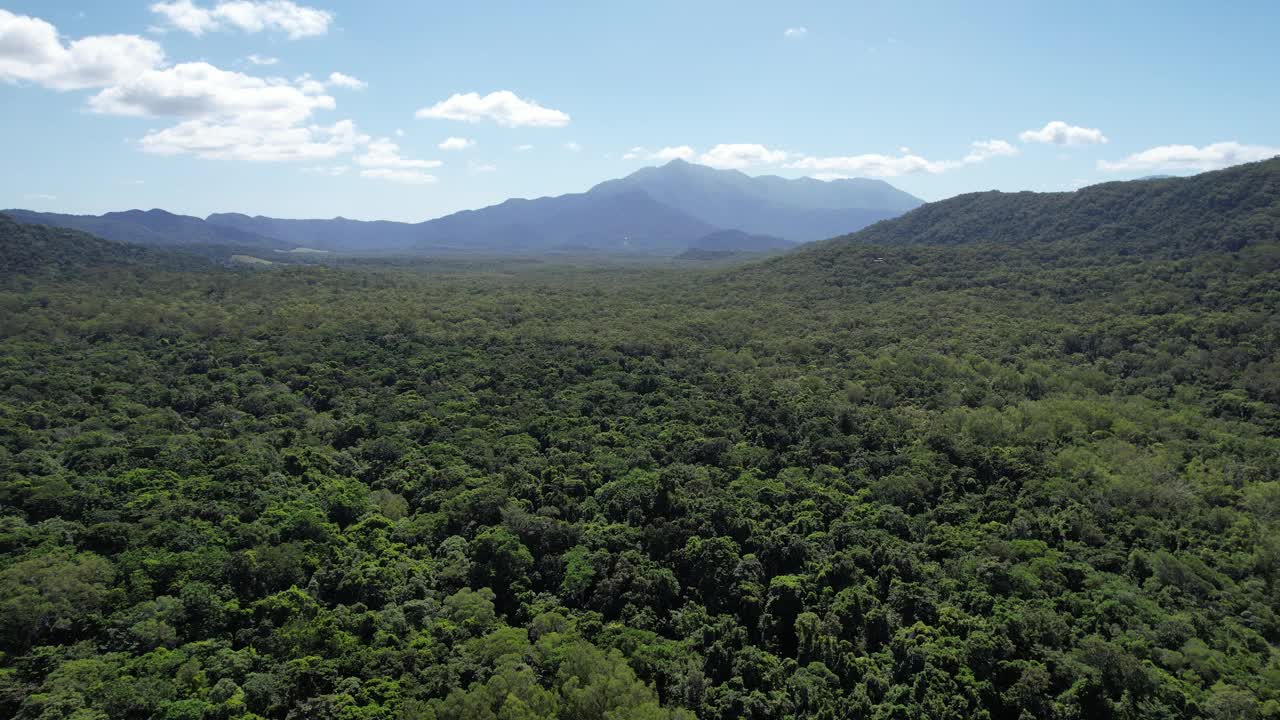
{"x": 656, "y": 209}
{"x": 795, "y": 209}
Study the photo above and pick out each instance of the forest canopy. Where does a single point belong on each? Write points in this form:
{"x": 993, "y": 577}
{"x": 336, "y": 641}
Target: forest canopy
{"x": 973, "y": 476}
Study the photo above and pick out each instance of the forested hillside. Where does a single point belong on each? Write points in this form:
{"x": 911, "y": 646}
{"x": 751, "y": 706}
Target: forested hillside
{"x": 1223, "y": 210}
{"x": 28, "y": 252}
{"x": 985, "y": 479}
{"x": 153, "y": 227}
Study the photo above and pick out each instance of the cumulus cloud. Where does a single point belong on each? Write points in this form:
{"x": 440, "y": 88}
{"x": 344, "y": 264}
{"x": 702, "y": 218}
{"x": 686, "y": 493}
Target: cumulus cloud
{"x": 230, "y": 141}
{"x": 230, "y": 115}
{"x": 383, "y": 153}
{"x": 682, "y": 152}
{"x": 223, "y": 114}
{"x": 741, "y": 155}
{"x": 296, "y": 21}
{"x": 405, "y": 177}
{"x": 982, "y": 150}
{"x": 185, "y": 15}
{"x": 256, "y": 59}
{"x": 524, "y": 148}
{"x": 337, "y": 79}
{"x": 478, "y": 168}
{"x": 872, "y": 165}
{"x": 200, "y": 90}
{"x": 795, "y": 32}
{"x": 456, "y": 143}
{"x": 572, "y": 146}
{"x": 906, "y": 163}
{"x": 1060, "y": 133}
{"x": 31, "y": 51}
{"x": 1189, "y": 157}
{"x": 502, "y": 107}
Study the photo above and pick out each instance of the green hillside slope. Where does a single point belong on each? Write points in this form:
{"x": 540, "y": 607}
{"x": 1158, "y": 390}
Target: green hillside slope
{"x": 1226, "y": 209}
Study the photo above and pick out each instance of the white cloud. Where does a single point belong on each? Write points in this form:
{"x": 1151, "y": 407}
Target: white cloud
{"x": 741, "y": 155}
{"x": 39, "y": 196}
{"x": 1189, "y": 157}
{"x": 829, "y": 176}
{"x": 681, "y": 152}
{"x": 31, "y": 51}
{"x": 1060, "y": 133}
{"x": 502, "y": 107}
{"x": 795, "y": 32}
{"x": 231, "y": 141}
{"x": 478, "y": 168}
{"x": 524, "y": 148}
{"x": 878, "y": 165}
{"x": 456, "y": 143}
{"x": 327, "y": 170}
{"x": 406, "y": 177}
{"x": 981, "y": 150}
{"x": 185, "y": 15}
{"x": 310, "y": 85}
{"x": 200, "y": 90}
{"x": 383, "y": 153}
{"x": 256, "y": 59}
{"x": 297, "y": 21}
{"x": 231, "y": 116}
{"x": 872, "y": 164}
{"x": 572, "y": 146}
{"x": 346, "y": 81}
{"x": 399, "y": 132}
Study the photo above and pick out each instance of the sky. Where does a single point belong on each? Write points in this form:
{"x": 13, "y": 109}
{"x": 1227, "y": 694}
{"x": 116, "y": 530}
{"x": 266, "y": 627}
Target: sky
{"x": 406, "y": 111}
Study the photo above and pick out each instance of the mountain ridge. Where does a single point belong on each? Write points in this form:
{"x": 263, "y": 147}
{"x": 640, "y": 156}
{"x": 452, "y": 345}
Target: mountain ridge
{"x": 1219, "y": 210}
{"x": 659, "y": 210}
{"x": 155, "y": 227}
{"x": 799, "y": 209}
{"x": 35, "y": 250}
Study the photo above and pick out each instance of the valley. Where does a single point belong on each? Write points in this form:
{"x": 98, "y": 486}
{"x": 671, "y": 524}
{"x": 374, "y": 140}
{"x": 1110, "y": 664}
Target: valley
{"x": 1004, "y": 456}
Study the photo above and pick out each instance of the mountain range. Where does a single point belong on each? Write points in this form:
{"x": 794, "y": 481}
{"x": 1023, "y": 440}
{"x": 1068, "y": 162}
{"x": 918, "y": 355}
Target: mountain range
{"x": 658, "y": 210}
{"x": 153, "y": 227}
{"x": 1218, "y": 211}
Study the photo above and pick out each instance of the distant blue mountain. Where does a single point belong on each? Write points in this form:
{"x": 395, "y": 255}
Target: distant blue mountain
{"x": 658, "y": 210}
{"x": 799, "y": 210}
{"x": 670, "y": 208}
{"x": 152, "y": 227}
{"x": 332, "y": 234}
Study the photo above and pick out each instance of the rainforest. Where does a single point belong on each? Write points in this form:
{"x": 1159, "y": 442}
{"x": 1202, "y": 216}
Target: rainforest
{"x": 1006, "y": 457}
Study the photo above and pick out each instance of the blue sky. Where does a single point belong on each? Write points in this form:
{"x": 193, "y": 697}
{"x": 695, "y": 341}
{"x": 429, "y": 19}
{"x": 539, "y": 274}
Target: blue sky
{"x": 202, "y": 106}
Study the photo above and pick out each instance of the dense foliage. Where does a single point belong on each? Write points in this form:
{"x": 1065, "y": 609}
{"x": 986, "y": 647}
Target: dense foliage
{"x": 1039, "y": 481}
{"x": 37, "y": 251}
{"x": 1170, "y": 216}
